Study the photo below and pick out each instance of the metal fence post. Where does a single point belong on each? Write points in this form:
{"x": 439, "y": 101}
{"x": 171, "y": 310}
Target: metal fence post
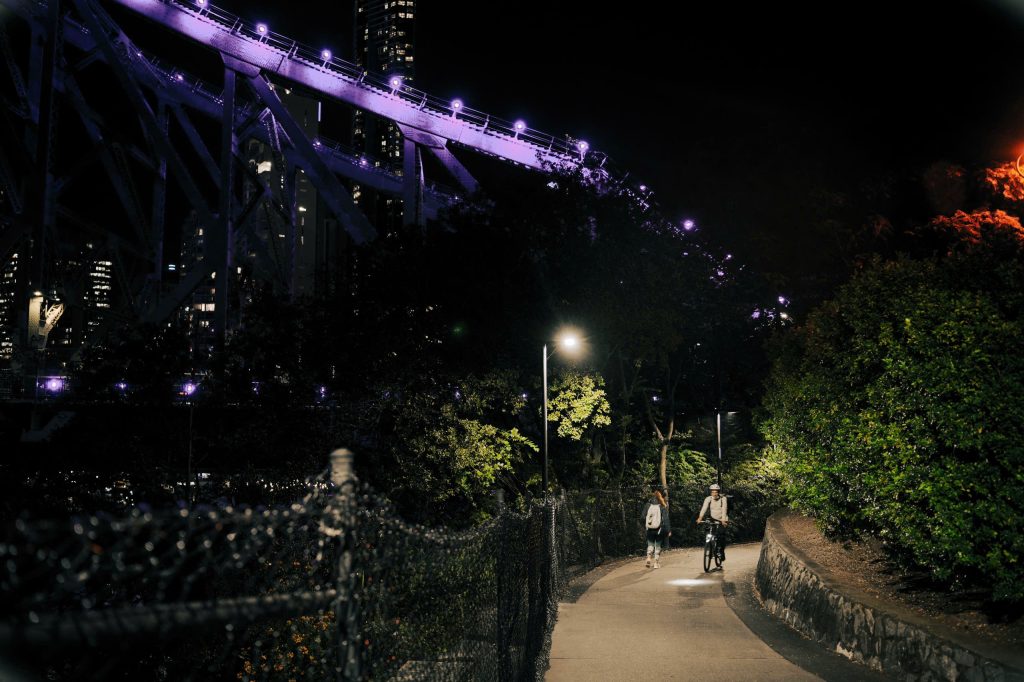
{"x": 346, "y": 611}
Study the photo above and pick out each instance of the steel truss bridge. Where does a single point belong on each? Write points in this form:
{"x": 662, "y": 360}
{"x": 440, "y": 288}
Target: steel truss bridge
{"x": 77, "y": 54}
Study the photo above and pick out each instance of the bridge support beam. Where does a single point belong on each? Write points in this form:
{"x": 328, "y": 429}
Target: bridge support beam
{"x": 220, "y": 251}
{"x": 337, "y": 198}
{"x": 412, "y": 183}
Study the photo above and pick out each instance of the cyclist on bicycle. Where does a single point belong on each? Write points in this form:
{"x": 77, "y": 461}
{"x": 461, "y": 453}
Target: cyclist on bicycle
{"x": 718, "y": 506}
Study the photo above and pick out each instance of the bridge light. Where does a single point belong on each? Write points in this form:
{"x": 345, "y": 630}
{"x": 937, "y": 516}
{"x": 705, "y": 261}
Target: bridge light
{"x": 456, "y": 106}
{"x": 201, "y": 3}
{"x": 178, "y": 77}
{"x": 363, "y": 162}
{"x": 395, "y": 82}
{"x": 519, "y": 126}
{"x": 583, "y": 146}
{"x": 326, "y": 55}
{"x": 688, "y": 225}
{"x": 643, "y": 188}
{"x": 261, "y": 29}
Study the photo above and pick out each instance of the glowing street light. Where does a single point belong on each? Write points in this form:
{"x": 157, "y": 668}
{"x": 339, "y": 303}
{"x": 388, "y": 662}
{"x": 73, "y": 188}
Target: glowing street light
{"x": 569, "y": 342}
{"x": 261, "y": 29}
{"x": 326, "y": 55}
{"x": 519, "y": 126}
{"x": 456, "y": 107}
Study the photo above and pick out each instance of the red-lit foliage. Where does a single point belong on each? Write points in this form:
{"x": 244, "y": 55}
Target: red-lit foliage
{"x": 980, "y": 229}
{"x": 1004, "y": 181}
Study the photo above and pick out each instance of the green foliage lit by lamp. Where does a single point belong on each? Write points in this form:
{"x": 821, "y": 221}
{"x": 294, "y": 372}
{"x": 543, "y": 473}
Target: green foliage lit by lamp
{"x": 898, "y": 410}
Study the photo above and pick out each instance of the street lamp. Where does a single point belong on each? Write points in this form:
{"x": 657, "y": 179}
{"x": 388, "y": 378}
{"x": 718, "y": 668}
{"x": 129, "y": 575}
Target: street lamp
{"x": 568, "y": 341}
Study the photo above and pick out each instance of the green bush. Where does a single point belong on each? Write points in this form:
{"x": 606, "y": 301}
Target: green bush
{"x": 898, "y": 410}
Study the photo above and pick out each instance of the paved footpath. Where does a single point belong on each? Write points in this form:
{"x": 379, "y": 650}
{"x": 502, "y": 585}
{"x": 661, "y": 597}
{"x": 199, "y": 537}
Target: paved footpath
{"x": 680, "y": 623}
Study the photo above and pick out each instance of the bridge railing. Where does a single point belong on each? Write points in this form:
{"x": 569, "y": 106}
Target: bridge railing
{"x": 564, "y": 147}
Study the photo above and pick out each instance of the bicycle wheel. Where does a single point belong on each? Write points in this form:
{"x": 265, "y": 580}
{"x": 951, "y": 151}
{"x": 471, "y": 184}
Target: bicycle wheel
{"x": 709, "y": 549}
{"x": 718, "y": 553}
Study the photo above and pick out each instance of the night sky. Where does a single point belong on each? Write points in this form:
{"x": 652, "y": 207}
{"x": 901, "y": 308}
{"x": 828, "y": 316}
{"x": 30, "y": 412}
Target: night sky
{"x": 735, "y": 113}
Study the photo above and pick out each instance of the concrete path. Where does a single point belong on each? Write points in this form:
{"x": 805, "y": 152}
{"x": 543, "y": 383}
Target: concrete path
{"x": 675, "y": 623}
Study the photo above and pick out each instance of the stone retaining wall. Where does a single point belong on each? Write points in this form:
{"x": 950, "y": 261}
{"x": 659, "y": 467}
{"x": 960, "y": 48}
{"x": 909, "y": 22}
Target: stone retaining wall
{"x": 854, "y": 624}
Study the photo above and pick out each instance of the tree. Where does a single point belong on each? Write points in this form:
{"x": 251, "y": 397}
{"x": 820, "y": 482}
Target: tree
{"x": 898, "y": 408}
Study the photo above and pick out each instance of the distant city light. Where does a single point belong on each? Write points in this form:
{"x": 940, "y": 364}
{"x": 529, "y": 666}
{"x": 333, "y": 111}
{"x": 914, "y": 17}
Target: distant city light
{"x": 583, "y": 146}
{"x": 363, "y": 162}
{"x": 54, "y": 384}
{"x": 756, "y": 314}
{"x": 171, "y": 267}
{"x": 326, "y": 55}
{"x": 688, "y": 225}
{"x": 783, "y": 300}
{"x": 188, "y": 388}
{"x": 178, "y": 77}
{"x": 316, "y": 143}
{"x": 784, "y": 316}
{"x": 643, "y": 188}
{"x": 720, "y": 272}
{"x": 524, "y": 396}
{"x": 121, "y": 386}
{"x": 261, "y": 29}
{"x": 728, "y": 256}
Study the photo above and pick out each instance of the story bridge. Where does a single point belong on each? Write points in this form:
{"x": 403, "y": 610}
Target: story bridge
{"x": 73, "y": 57}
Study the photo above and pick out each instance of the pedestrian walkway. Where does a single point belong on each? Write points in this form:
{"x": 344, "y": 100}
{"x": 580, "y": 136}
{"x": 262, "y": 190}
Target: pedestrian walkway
{"x": 673, "y": 623}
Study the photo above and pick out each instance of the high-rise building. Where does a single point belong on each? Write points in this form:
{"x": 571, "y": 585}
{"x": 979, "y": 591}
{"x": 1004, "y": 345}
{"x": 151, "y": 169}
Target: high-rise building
{"x": 385, "y": 45}
{"x": 198, "y": 311}
{"x": 98, "y": 292}
{"x": 310, "y": 254}
{"x": 8, "y": 306}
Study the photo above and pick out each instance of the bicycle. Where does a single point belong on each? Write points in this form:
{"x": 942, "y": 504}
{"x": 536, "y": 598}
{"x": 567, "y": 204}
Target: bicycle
{"x": 712, "y": 550}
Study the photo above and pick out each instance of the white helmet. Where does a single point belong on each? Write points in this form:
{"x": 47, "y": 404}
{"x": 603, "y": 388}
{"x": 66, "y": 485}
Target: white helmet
{"x": 715, "y": 486}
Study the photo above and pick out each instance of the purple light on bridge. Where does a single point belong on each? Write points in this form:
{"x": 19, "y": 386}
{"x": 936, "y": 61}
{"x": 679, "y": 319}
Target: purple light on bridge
{"x": 179, "y": 77}
{"x": 583, "y": 146}
{"x": 54, "y": 384}
{"x": 395, "y": 82}
{"x": 188, "y": 388}
{"x": 201, "y": 3}
{"x": 261, "y": 29}
{"x": 363, "y": 162}
{"x": 316, "y": 143}
{"x": 326, "y": 55}
{"x": 456, "y": 105}
{"x": 688, "y": 225}
{"x": 643, "y": 188}
{"x": 783, "y": 300}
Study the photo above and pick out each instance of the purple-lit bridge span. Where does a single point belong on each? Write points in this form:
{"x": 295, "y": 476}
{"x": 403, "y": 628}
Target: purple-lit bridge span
{"x": 78, "y": 54}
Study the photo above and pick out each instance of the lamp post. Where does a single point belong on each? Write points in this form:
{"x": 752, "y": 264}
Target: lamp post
{"x": 568, "y": 341}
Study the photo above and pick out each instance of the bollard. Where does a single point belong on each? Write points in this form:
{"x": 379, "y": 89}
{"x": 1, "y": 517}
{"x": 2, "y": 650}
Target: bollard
{"x": 341, "y": 466}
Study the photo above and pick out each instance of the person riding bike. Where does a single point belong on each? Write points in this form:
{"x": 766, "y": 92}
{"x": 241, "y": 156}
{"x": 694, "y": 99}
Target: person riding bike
{"x": 718, "y": 506}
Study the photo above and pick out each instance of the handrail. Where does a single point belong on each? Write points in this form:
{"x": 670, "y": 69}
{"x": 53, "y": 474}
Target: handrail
{"x": 564, "y": 149}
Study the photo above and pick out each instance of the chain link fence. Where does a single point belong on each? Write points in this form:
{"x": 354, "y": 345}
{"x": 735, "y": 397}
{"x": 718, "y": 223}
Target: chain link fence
{"x": 334, "y": 586}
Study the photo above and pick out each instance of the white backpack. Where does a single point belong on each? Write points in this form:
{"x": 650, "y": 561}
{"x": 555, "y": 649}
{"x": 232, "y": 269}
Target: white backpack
{"x": 654, "y": 516}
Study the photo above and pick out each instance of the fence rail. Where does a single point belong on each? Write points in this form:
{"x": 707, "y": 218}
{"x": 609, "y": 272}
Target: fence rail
{"x": 334, "y": 586}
